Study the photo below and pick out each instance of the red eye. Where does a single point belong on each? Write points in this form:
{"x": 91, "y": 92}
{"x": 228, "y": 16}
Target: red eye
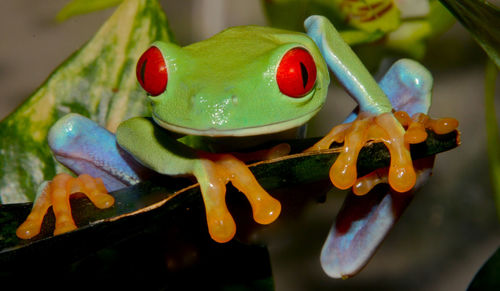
{"x": 152, "y": 72}
{"x": 296, "y": 73}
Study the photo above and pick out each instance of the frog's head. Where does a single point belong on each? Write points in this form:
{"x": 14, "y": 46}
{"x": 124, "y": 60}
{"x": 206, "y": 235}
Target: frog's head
{"x": 243, "y": 81}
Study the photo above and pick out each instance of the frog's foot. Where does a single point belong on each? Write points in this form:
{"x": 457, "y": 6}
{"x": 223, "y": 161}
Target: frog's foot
{"x": 381, "y": 128}
{"x": 417, "y": 124}
{"x": 415, "y": 133}
{"x": 56, "y": 194}
{"x": 366, "y": 183}
{"x": 215, "y": 172}
{"x": 387, "y": 128}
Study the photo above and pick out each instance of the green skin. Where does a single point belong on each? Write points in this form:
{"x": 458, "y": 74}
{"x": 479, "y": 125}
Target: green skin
{"x": 211, "y": 91}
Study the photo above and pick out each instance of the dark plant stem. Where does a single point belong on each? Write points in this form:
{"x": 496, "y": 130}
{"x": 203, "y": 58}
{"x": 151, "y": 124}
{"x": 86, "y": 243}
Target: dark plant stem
{"x": 493, "y": 138}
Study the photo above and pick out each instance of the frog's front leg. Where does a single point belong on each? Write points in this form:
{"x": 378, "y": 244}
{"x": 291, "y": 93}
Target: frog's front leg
{"x": 213, "y": 172}
{"x": 376, "y": 121}
{"x": 153, "y": 147}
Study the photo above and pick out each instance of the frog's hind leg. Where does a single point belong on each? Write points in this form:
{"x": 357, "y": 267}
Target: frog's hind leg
{"x": 56, "y": 194}
{"x": 363, "y": 222}
{"x": 85, "y": 147}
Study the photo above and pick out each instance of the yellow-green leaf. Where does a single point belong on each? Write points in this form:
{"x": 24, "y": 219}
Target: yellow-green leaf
{"x": 97, "y": 81}
{"x": 77, "y": 7}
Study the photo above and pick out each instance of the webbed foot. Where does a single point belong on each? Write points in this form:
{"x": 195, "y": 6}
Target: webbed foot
{"x": 214, "y": 172}
{"x": 397, "y": 131}
{"x": 56, "y": 194}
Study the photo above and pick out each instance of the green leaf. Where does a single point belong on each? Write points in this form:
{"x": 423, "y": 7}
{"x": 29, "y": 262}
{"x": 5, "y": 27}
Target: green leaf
{"x": 175, "y": 201}
{"x": 98, "y": 81}
{"x": 481, "y": 18}
{"x": 78, "y": 7}
{"x": 488, "y": 277}
{"x": 440, "y": 18}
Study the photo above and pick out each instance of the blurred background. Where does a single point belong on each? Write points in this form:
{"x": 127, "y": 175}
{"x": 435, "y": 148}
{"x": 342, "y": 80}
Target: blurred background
{"x": 448, "y": 231}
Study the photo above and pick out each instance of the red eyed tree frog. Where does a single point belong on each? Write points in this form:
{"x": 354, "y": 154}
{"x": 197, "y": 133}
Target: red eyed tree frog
{"x": 243, "y": 82}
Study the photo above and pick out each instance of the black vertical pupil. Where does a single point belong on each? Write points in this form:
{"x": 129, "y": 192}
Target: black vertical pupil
{"x": 143, "y": 70}
{"x": 305, "y": 75}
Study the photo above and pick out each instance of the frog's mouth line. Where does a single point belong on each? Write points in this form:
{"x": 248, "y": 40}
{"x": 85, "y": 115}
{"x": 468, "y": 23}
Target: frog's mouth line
{"x": 245, "y": 131}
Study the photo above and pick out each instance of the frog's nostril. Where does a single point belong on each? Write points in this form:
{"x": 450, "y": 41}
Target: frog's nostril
{"x": 234, "y": 99}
